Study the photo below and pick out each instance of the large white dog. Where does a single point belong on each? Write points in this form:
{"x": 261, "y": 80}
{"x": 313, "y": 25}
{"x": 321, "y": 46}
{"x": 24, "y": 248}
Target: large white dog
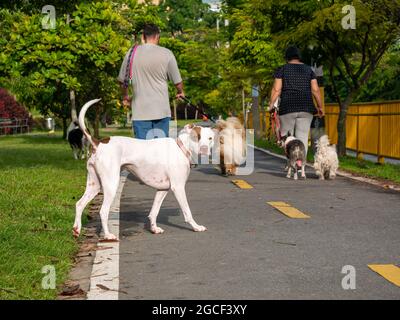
{"x": 326, "y": 160}
{"x": 163, "y": 164}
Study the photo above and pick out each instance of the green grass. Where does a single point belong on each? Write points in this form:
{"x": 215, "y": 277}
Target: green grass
{"x": 370, "y": 169}
{"x": 365, "y": 168}
{"x": 39, "y": 186}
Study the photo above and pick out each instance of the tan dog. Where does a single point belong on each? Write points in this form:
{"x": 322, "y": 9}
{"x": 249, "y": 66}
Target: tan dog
{"x": 232, "y": 144}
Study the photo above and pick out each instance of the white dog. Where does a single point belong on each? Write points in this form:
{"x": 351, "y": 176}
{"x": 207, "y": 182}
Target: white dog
{"x": 163, "y": 164}
{"x": 326, "y": 160}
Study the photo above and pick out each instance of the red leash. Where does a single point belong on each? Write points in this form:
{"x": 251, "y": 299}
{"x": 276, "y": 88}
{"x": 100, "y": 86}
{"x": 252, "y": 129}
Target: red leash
{"x": 276, "y": 124}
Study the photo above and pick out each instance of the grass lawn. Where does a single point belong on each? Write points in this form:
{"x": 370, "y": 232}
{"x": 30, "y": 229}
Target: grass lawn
{"x": 39, "y": 185}
{"x": 361, "y": 167}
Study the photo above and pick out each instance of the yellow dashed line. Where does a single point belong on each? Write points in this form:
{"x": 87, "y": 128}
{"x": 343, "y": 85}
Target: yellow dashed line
{"x": 242, "y": 184}
{"x": 389, "y": 271}
{"x": 288, "y": 210}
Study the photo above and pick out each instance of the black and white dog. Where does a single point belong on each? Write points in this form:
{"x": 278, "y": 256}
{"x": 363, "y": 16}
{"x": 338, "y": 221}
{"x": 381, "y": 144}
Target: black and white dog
{"x": 296, "y": 155}
{"x": 79, "y": 144}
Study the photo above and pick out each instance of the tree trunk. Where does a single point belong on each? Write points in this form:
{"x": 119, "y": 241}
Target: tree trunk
{"x": 64, "y": 122}
{"x": 255, "y": 110}
{"x": 74, "y": 113}
{"x": 263, "y": 123}
{"x": 341, "y": 129}
{"x": 96, "y": 124}
{"x": 341, "y": 124}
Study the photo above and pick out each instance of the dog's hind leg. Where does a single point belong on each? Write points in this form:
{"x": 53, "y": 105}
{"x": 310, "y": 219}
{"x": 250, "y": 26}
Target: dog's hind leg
{"x": 293, "y": 165}
{"x": 75, "y": 151}
{"x": 289, "y": 172}
{"x": 158, "y": 200}
{"x": 109, "y": 182}
{"x": 180, "y": 194}
{"x": 303, "y": 171}
{"x": 92, "y": 189}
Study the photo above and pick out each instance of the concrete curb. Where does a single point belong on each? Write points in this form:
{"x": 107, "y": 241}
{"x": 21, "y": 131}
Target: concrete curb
{"x": 104, "y": 279}
{"x": 340, "y": 173}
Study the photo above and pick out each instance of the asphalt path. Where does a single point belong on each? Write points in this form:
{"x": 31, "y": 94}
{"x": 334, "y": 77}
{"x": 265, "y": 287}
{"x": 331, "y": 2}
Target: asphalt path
{"x": 251, "y": 250}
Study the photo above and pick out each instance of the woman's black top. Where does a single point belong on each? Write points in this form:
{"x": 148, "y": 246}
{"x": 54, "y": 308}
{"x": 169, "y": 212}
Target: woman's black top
{"x": 296, "y": 93}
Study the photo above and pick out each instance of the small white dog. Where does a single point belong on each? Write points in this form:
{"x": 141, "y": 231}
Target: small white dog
{"x": 163, "y": 164}
{"x": 326, "y": 160}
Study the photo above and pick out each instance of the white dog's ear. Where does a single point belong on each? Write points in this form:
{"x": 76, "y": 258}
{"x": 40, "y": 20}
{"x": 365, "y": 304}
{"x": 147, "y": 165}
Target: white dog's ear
{"x": 188, "y": 128}
{"x": 195, "y": 133}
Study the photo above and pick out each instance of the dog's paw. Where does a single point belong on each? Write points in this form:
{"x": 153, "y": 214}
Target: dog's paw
{"x": 110, "y": 237}
{"x": 199, "y": 229}
{"x": 157, "y": 230}
{"x": 76, "y": 232}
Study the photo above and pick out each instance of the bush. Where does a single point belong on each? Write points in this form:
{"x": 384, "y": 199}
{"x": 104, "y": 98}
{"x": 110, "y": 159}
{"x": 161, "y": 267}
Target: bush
{"x": 11, "y": 109}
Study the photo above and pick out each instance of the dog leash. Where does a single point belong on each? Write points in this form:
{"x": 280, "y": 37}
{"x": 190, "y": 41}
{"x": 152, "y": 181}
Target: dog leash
{"x": 276, "y": 124}
{"x": 189, "y": 103}
{"x": 186, "y": 152}
{"x": 129, "y": 67}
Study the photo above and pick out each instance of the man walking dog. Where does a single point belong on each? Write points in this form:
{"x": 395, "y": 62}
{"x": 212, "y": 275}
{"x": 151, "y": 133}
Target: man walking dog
{"x": 148, "y": 68}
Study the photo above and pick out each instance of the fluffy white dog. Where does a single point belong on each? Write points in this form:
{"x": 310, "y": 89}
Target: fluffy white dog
{"x": 232, "y": 145}
{"x": 326, "y": 160}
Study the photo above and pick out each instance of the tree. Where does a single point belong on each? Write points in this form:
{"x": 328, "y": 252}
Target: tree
{"x": 89, "y": 48}
{"x": 349, "y": 55}
{"x": 253, "y": 51}
{"x": 183, "y": 15}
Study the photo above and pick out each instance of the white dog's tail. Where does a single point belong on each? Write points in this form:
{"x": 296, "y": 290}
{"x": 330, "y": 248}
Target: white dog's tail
{"x": 82, "y": 122}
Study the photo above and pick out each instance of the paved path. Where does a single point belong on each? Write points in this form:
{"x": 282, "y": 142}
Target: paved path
{"x": 251, "y": 251}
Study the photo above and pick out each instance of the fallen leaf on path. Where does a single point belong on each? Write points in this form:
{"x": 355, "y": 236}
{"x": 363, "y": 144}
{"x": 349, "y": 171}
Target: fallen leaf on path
{"x": 72, "y": 290}
{"x": 103, "y": 287}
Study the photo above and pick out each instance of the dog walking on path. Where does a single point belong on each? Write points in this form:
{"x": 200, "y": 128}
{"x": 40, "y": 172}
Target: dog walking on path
{"x": 163, "y": 164}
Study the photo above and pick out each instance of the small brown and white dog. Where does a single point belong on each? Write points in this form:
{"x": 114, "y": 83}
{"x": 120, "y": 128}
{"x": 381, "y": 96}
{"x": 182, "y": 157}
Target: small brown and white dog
{"x": 326, "y": 160}
{"x": 232, "y": 145}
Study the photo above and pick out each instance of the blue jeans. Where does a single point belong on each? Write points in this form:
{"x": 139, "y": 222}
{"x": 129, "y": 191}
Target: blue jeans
{"x": 151, "y": 129}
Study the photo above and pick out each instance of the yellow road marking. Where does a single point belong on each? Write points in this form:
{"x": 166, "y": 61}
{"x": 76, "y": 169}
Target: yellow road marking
{"x": 389, "y": 271}
{"x": 242, "y": 184}
{"x": 288, "y": 210}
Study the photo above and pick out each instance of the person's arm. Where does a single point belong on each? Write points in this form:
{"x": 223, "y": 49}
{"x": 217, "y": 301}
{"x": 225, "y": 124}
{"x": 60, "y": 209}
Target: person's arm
{"x": 275, "y": 93}
{"x": 175, "y": 76}
{"x": 317, "y": 95}
{"x": 126, "y": 99}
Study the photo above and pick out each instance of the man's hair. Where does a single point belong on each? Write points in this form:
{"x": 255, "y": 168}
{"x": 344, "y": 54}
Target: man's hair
{"x": 292, "y": 52}
{"x": 150, "y": 30}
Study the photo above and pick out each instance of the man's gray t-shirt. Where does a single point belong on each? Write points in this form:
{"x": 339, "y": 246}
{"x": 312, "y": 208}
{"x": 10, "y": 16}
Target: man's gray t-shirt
{"x": 152, "y": 67}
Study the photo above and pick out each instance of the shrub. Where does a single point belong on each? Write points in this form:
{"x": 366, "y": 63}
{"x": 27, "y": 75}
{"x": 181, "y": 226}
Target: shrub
{"x": 11, "y": 109}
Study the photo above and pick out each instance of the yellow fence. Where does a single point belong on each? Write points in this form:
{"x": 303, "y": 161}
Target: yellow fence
{"x": 372, "y": 128}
